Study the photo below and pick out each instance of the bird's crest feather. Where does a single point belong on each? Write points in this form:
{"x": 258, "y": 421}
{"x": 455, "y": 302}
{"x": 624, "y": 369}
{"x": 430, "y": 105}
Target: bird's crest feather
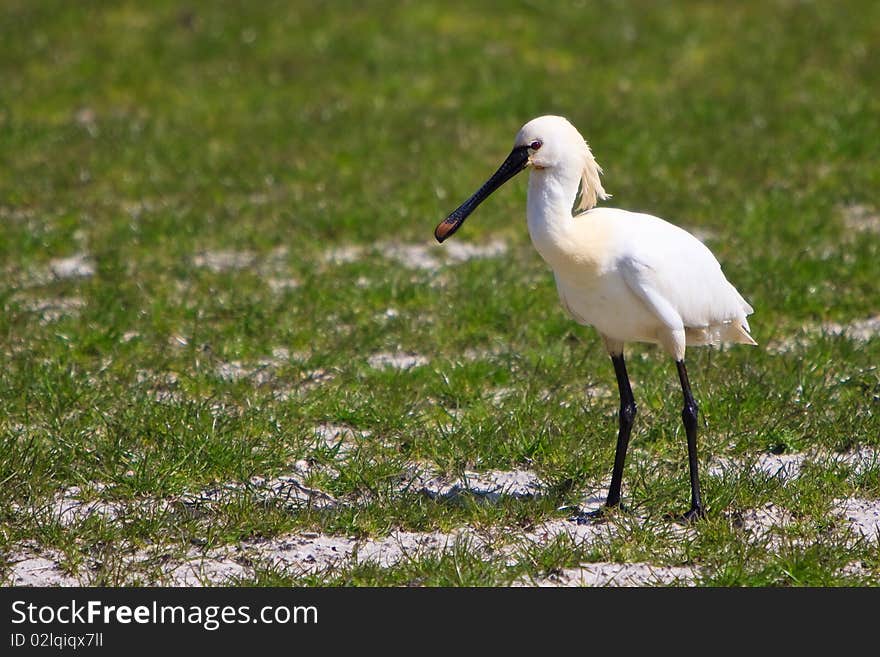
{"x": 591, "y": 190}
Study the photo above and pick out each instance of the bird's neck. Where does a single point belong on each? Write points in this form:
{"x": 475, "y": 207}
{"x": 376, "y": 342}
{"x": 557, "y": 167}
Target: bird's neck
{"x": 551, "y": 197}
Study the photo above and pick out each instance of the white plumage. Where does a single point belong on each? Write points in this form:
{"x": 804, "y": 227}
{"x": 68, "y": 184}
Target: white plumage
{"x": 643, "y": 280}
{"x": 633, "y": 276}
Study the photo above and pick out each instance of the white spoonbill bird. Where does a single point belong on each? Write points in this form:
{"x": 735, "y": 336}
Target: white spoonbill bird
{"x": 632, "y": 276}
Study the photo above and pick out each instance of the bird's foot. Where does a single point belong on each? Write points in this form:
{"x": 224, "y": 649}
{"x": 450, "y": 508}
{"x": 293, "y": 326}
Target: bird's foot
{"x": 602, "y": 514}
{"x": 695, "y": 513}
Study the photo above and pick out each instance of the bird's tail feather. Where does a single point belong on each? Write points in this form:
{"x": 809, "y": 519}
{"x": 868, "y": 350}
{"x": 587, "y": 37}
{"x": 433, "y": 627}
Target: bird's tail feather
{"x": 716, "y": 334}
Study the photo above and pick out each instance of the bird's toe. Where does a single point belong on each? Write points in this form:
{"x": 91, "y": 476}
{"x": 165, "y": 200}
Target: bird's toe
{"x": 694, "y": 514}
{"x": 602, "y": 514}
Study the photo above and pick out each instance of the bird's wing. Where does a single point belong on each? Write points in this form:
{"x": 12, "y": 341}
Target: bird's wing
{"x": 684, "y": 285}
{"x": 641, "y": 278}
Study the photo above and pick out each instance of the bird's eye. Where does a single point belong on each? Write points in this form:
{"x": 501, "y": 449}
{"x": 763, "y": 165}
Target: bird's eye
{"x": 535, "y": 145}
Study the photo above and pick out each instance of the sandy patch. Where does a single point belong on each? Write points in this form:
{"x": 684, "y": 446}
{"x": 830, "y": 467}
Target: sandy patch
{"x": 481, "y": 354}
{"x": 789, "y": 466}
{"x": 498, "y": 395}
{"x": 413, "y": 256}
{"x": 399, "y": 360}
{"x": 860, "y": 569}
{"x": 862, "y": 515}
{"x": 265, "y": 372}
{"x": 67, "y": 507}
{"x": 54, "y": 309}
{"x": 205, "y": 572}
{"x": 430, "y": 256}
{"x": 272, "y": 265}
{"x": 418, "y": 255}
{"x": 308, "y": 381}
{"x": 30, "y": 569}
{"x": 461, "y": 251}
{"x": 763, "y": 524}
{"x": 315, "y": 553}
{"x": 617, "y": 574}
{"x": 784, "y": 466}
{"x": 341, "y": 438}
{"x": 602, "y": 391}
{"x": 488, "y": 486}
{"x": 308, "y": 552}
{"x": 17, "y": 214}
{"x": 314, "y": 378}
{"x": 223, "y": 261}
{"x": 861, "y": 218}
{"x": 278, "y": 285}
{"x": 76, "y": 266}
{"x": 162, "y": 386}
{"x": 787, "y": 344}
{"x": 287, "y": 489}
{"x": 259, "y": 374}
{"x": 859, "y": 330}
{"x": 859, "y": 460}
{"x": 341, "y": 255}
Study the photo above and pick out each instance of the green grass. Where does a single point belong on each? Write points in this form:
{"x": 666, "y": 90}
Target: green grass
{"x": 145, "y": 136}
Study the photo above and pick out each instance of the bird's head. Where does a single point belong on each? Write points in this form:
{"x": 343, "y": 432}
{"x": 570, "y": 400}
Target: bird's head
{"x": 544, "y": 143}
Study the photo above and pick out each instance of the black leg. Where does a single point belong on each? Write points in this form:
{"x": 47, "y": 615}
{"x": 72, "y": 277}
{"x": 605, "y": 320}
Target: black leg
{"x": 689, "y": 417}
{"x": 626, "y": 417}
